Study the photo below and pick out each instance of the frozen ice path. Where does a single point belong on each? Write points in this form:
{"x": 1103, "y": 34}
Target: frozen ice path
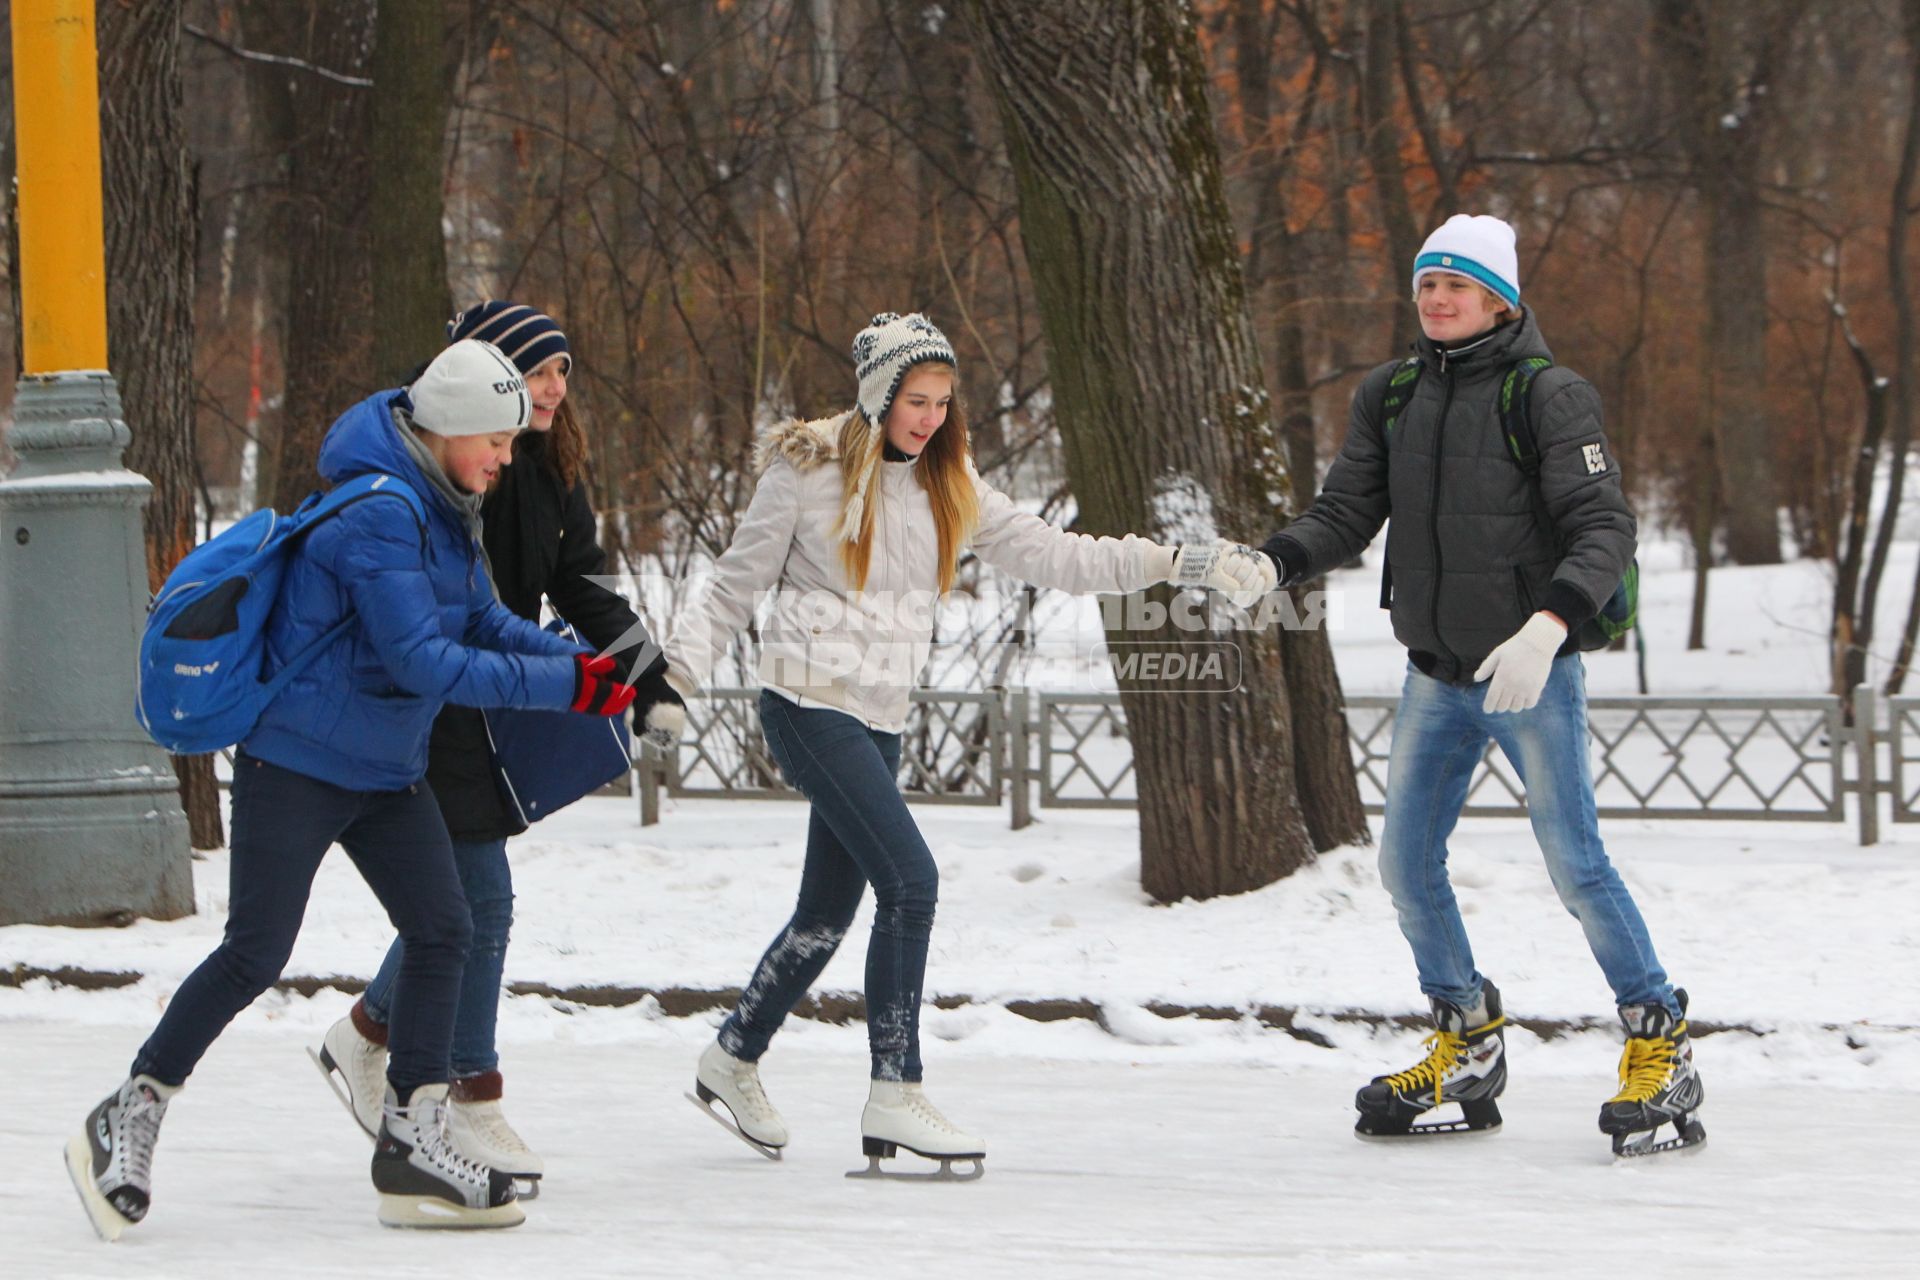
{"x": 1098, "y": 1168}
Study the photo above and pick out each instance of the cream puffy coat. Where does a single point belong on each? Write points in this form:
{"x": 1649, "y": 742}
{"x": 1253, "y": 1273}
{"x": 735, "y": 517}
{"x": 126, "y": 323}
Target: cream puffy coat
{"x": 862, "y": 653}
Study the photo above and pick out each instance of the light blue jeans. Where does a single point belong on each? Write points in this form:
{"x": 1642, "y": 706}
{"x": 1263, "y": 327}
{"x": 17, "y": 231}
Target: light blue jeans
{"x": 1439, "y": 733}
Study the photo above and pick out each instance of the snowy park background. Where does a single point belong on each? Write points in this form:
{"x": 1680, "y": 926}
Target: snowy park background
{"x": 1122, "y": 1143}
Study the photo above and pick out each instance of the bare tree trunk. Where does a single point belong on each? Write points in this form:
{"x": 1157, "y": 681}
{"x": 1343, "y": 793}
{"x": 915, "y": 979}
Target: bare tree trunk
{"x": 1719, "y": 58}
{"x": 149, "y": 225}
{"x": 1703, "y": 516}
{"x": 412, "y": 98}
{"x": 1378, "y": 76}
{"x": 1906, "y": 370}
{"x": 1273, "y": 252}
{"x": 322, "y": 128}
{"x": 1158, "y": 389}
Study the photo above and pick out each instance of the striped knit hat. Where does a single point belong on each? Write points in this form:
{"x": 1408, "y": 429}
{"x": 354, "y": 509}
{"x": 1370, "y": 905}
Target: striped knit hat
{"x": 884, "y": 351}
{"x": 525, "y": 336}
{"x": 1477, "y": 246}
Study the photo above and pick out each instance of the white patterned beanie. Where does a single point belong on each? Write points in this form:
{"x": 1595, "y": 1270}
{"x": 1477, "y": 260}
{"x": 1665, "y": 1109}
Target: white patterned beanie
{"x": 1477, "y": 246}
{"x": 883, "y": 353}
{"x": 886, "y": 349}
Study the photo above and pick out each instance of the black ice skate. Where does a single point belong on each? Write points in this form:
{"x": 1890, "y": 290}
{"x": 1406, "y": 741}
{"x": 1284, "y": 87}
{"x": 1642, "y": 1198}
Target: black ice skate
{"x": 111, "y": 1163}
{"x": 1466, "y": 1064}
{"x": 1658, "y": 1085}
{"x": 424, "y": 1181}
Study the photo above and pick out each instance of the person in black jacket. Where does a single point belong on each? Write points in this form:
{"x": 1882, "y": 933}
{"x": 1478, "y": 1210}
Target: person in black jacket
{"x": 540, "y": 537}
{"x": 1491, "y": 573}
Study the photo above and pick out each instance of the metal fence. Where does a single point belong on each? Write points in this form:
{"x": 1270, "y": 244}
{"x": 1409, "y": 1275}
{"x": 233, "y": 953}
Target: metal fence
{"x": 1769, "y": 759}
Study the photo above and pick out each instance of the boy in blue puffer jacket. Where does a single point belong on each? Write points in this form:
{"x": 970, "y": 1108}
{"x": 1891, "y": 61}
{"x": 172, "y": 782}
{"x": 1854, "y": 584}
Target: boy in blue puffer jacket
{"x": 339, "y": 757}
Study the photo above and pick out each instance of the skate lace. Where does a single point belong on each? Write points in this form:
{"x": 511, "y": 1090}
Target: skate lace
{"x": 1645, "y": 1066}
{"x": 751, "y": 1093}
{"x": 491, "y": 1124}
{"x": 1444, "y": 1053}
{"x": 437, "y": 1145}
{"x": 142, "y": 1131}
{"x": 930, "y": 1115}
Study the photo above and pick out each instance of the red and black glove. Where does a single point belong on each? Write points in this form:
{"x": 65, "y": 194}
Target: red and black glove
{"x": 595, "y": 691}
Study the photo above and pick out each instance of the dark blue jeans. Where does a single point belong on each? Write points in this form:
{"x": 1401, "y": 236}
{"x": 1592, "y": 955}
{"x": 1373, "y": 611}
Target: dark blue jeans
{"x": 283, "y": 824}
{"x": 859, "y": 831}
{"x": 488, "y": 883}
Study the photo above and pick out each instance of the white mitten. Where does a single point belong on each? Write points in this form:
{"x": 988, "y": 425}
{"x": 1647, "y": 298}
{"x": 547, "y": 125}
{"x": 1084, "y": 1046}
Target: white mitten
{"x": 665, "y": 722}
{"x": 1237, "y": 571}
{"x": 1519, "y": 667}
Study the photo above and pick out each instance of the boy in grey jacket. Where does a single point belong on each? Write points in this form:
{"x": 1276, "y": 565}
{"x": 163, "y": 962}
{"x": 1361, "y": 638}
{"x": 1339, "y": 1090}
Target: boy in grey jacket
{"x": 1490, "y": 573}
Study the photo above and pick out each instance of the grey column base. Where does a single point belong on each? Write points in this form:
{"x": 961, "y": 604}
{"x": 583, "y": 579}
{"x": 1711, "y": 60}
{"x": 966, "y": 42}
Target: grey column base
{"x": 91, "y": 830}
{"x": 94, "y": 860}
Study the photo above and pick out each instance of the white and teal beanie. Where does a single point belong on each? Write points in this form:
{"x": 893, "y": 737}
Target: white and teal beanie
{"x": 1476, "y": 246}
{"x": 884, "y": 351}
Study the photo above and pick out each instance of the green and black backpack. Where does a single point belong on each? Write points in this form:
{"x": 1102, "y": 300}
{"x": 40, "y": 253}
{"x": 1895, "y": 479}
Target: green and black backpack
{"x": 1622, "y": 609}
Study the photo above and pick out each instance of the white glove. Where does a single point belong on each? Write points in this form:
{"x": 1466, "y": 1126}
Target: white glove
{"x": 1520, "y": 666}
{"x": 1237, "y": 571}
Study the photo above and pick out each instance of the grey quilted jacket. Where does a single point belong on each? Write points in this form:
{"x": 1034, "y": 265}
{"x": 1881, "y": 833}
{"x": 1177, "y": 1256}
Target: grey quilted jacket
{"x": 1469, "y": 556}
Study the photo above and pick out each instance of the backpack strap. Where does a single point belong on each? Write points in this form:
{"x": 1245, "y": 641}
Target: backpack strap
{"x": 320, "y": 508}
{"x": 371, "y": 484}
{"x": 1516, "y": 414}
{"x": 1398, "y": 395}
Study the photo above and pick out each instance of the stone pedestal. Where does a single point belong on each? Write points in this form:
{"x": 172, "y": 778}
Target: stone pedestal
{"x": 91, "y": 829}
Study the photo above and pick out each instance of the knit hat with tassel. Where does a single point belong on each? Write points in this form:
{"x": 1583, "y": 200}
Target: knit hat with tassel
{"x": 883, "y": 353}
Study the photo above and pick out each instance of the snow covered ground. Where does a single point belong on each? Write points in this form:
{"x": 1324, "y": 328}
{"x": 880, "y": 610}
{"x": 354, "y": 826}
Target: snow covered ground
{"x": 1129, "y": 1142}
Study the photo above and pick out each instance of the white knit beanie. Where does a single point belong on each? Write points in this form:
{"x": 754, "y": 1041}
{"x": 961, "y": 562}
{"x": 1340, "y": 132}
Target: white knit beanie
{"x": 470, "y": 389}
{"x": 884, "y": 351}
{"x": 1477, "y": 246}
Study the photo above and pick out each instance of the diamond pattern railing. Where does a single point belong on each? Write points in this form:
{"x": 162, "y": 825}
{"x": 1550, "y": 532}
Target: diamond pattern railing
{"x": 1748, "y": 758}
{"x": 1762, "y": 758}
{"x": 1903, "y": 751}
{"x": 953, "y": 750}
{"x": 1086, "y": 761}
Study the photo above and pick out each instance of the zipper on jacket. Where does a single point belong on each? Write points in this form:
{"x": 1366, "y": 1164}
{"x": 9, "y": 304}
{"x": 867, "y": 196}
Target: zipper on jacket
{"x": 1433, "y": 512}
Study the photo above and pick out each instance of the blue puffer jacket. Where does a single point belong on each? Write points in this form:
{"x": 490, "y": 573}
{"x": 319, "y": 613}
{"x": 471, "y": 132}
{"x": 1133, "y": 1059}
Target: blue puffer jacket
{"x": 429, "y": 630}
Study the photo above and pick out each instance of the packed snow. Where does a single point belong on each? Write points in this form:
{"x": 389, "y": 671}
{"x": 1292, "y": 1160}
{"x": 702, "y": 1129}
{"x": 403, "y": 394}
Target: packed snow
{"x": 1121, "y": 1140}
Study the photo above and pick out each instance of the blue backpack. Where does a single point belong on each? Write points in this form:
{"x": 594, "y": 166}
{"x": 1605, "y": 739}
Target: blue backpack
{"x": 199, "y": 686}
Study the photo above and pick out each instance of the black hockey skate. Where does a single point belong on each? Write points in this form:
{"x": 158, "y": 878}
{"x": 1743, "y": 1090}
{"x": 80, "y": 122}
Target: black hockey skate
{"x": 1658, "y": 1086}
{"x": 424, "y": 1181}
{"x": 1466, "y": 1064}
{"x": 111, "y": 1161}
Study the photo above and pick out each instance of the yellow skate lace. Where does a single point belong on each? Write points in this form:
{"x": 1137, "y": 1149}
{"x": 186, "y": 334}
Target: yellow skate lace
{"x": 1645, "y": 1066}
{"x": 1445, "y": 1051}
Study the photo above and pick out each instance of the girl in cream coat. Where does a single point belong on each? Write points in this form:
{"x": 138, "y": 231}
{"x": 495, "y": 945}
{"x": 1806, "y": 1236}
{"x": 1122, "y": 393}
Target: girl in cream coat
{"x": 858, "y": 521}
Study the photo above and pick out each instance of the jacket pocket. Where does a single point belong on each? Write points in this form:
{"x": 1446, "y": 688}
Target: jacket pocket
{"x": 1523, "y": 592}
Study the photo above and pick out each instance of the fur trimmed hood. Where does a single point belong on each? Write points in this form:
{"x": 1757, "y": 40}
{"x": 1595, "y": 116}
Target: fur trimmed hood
{"x": 805, "y": 445}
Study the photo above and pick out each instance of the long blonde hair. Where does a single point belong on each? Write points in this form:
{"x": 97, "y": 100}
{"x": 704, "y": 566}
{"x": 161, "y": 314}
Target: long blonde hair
{"x": 944, "y": 471}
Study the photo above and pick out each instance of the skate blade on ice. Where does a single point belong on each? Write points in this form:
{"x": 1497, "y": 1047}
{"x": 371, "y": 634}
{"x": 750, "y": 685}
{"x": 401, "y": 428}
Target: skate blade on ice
{"x": 107, "y": 1220}
{"x": 526, "y": 1186}
{"x": 336, "y": 1081}
{"x": 876, "y": 1150}
{"x": 431, "y": 1213}
{"x": 732, "y": 1126}
{"x": 1685, "y": 1135}
{"x": 1472, "y": 1119}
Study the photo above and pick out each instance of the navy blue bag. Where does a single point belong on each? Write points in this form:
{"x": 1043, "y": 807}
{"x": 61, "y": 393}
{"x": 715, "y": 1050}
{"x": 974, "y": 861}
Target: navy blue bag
{"x": 546, "y": 760}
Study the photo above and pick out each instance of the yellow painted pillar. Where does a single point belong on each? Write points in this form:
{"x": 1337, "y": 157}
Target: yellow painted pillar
{"x": 56, "y": 114}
